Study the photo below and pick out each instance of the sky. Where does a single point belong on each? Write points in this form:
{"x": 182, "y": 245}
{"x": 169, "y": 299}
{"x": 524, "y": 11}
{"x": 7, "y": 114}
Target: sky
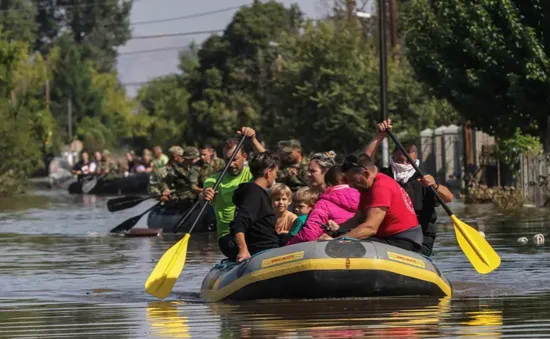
{"x": 136, "y": 68}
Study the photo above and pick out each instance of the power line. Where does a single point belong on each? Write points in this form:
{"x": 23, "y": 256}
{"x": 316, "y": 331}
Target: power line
{"x": 191, "y": 16}
{"x": 168, "y": 35}
{"x": 83, "y": 5}
{"x": 153, "y": 50}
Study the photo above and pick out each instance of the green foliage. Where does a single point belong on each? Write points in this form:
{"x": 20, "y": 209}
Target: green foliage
{"x": 327, "y": 92}
{"x": 26, "y": 122}
{"x": 510, "y": 150}
{"x": 17, "y": 19}
{"x": 164, "y": 112}
{"x": 227, "y": 84}
{"x": 488, "y": 58}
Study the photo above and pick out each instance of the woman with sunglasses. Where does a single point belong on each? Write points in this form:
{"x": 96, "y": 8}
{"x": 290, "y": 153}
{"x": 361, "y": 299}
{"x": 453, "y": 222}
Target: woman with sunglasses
{"x": 385, "y": 213}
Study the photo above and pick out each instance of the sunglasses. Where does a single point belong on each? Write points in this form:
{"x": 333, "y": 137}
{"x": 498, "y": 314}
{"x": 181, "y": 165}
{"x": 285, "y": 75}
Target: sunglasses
{"x": 351, "y": 162}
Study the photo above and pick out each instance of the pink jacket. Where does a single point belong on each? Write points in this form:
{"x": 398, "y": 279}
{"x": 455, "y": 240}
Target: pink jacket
{"x": 337, "y": 203}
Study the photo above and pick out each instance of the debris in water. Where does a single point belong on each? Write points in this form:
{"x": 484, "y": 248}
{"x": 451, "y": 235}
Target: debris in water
{"x": 538, "y": 239}
{"x": 523, "y": 241}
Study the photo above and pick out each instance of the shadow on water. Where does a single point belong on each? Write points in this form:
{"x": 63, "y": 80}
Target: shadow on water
{"x": 63, "y": 276}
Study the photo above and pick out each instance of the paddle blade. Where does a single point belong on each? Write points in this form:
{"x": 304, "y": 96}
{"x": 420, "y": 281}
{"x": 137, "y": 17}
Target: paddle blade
{"x": 88, "y": 186}
{"x": 168, "y": 269}
{"x": 126, "y": 225}
{"x": 119, "y": 204}
{"x": 482, "y": 256}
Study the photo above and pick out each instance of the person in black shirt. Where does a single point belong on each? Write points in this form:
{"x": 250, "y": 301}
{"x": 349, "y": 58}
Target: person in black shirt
{"x": 253, "y": 226}
{"x": 418, "y": 188}
{"x": 85, "y": 168}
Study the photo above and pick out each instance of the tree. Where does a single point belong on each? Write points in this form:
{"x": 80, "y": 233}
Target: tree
{"x": 228, "y": 85}
{"x": 489, "y": 59}
{"x": 98, "y": 27}
{"x": 17, "y": 19}
{"x": 27, "y": 123}
{"x": 164, "y": 112}
{"x": 72, "y": 81}
{"x": 327, "y": 91}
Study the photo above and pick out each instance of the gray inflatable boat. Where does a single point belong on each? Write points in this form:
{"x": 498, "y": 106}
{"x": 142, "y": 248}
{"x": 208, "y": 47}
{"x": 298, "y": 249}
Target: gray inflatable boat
{"x": 340, "y": 268}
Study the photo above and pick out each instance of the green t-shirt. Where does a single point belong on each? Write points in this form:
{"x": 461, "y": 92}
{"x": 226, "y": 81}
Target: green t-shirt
{"x": 223, "y": 202}
{"x": 160, "y": 162}
{"x": 298, "y": 225}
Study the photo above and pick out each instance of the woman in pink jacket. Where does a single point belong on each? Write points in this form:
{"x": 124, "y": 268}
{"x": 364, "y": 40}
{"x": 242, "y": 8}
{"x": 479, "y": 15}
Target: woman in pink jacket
{"x": 338, "y": 202}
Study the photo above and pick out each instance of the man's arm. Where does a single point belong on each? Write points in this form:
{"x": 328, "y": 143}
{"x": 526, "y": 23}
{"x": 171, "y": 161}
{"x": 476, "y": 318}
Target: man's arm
{"x": 243, "y": 248}
{"x": 375, "y": 216}
{"x": 251, "y": 134}
{"x": 353, "y": 222}
{"x": 194, "y": 176}
{"x": 380, "y": 135}
{"x": 445, "y": 194}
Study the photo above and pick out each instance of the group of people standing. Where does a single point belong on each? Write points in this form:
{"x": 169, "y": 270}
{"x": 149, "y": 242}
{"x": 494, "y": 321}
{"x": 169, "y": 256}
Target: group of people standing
{"x": 255, "y": 201}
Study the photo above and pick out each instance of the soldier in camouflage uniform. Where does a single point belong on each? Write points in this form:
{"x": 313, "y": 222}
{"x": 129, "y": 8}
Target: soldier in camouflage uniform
{"x": 209, "y": 164}
{"x": 293, "y": 172}
{"x": 106, "y": 167}
{"x": 178, "y": 180}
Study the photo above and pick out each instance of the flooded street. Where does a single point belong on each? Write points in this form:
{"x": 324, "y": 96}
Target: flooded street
{"x": 63, "y": 276}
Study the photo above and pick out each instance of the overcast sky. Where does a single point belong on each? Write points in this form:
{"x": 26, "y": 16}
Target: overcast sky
{"x": 140, "y": 67}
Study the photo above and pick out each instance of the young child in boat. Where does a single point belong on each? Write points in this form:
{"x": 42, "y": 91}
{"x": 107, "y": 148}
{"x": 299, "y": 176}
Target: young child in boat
{"x": 304, "y": 200}
{"x": 281, "y": 197}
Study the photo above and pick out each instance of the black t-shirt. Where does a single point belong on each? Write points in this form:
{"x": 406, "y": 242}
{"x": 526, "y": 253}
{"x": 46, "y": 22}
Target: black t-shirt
{"x": 83, "y": 167}
{"x": 254, "y": 216}
{"x": 423, "y": 199}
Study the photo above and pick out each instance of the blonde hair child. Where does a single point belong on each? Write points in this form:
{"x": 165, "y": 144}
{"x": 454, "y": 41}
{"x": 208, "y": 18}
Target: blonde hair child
{"x": 281, "y": 197}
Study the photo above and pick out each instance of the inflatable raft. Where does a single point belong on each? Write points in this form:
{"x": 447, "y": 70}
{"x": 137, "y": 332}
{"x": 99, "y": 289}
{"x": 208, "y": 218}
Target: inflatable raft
{"x": 133, "y": 184}
{"x": 166, "y": 216}
{"x": 342, "y": 268}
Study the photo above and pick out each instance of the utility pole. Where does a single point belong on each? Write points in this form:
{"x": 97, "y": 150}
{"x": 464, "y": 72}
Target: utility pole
{"x": 393, "y": 28}
{"x": 70, "y": 119}
{"x": 383, "y": 76}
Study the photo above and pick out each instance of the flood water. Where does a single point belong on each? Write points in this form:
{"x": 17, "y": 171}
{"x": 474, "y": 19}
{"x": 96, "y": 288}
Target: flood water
{"x": 63, "y": 276}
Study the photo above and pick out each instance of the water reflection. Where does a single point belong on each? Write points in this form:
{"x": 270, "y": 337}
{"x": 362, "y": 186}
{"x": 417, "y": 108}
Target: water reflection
{"x": 167, "y": 321}
{"x": 483, "y": 324}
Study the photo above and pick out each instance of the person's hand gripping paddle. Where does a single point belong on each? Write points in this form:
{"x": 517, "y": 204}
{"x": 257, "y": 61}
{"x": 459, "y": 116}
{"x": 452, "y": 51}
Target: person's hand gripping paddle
{"x": 482, "y": 256}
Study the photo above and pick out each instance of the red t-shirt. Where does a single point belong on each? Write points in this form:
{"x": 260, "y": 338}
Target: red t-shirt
{"x": 386, "y": 192}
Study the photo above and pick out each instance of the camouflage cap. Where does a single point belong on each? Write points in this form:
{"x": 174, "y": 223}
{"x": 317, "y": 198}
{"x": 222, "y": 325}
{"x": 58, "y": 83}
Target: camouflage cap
{"x": 288, "y": 146}
{"x": 106, "y": 153}
{"x": 175, "y": 150}
{"x": 191, "y": 152}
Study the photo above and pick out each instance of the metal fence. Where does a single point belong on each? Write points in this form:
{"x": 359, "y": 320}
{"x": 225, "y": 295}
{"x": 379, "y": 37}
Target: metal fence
{"x": 533, "y": 178}
{"x": 442, "y": 152}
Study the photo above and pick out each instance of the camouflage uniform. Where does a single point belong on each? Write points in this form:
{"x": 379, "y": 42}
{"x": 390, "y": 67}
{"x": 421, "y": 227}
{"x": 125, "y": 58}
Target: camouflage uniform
{"x": 105, "y": 164}
{"x": 206, "y": 170}
{"x": 177, "y": 178}
{"x": 297, "y": 181}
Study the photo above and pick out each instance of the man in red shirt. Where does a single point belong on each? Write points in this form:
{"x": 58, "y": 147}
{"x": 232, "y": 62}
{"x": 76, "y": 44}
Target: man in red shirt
{"x": 386, "y": 213}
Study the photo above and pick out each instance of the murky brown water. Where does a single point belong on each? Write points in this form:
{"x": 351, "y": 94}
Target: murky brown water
{"x": 63, "y": 276}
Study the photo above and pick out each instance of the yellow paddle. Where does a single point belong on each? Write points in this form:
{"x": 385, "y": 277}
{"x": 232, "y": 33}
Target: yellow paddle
{"x": 168, "y": 269}
{"x": 482, "y": 256}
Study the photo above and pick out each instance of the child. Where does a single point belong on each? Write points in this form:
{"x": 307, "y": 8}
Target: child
{"x": 304, "y": 199}
{"x": 281, "y": 197}
{"x": 338, "y": 202}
